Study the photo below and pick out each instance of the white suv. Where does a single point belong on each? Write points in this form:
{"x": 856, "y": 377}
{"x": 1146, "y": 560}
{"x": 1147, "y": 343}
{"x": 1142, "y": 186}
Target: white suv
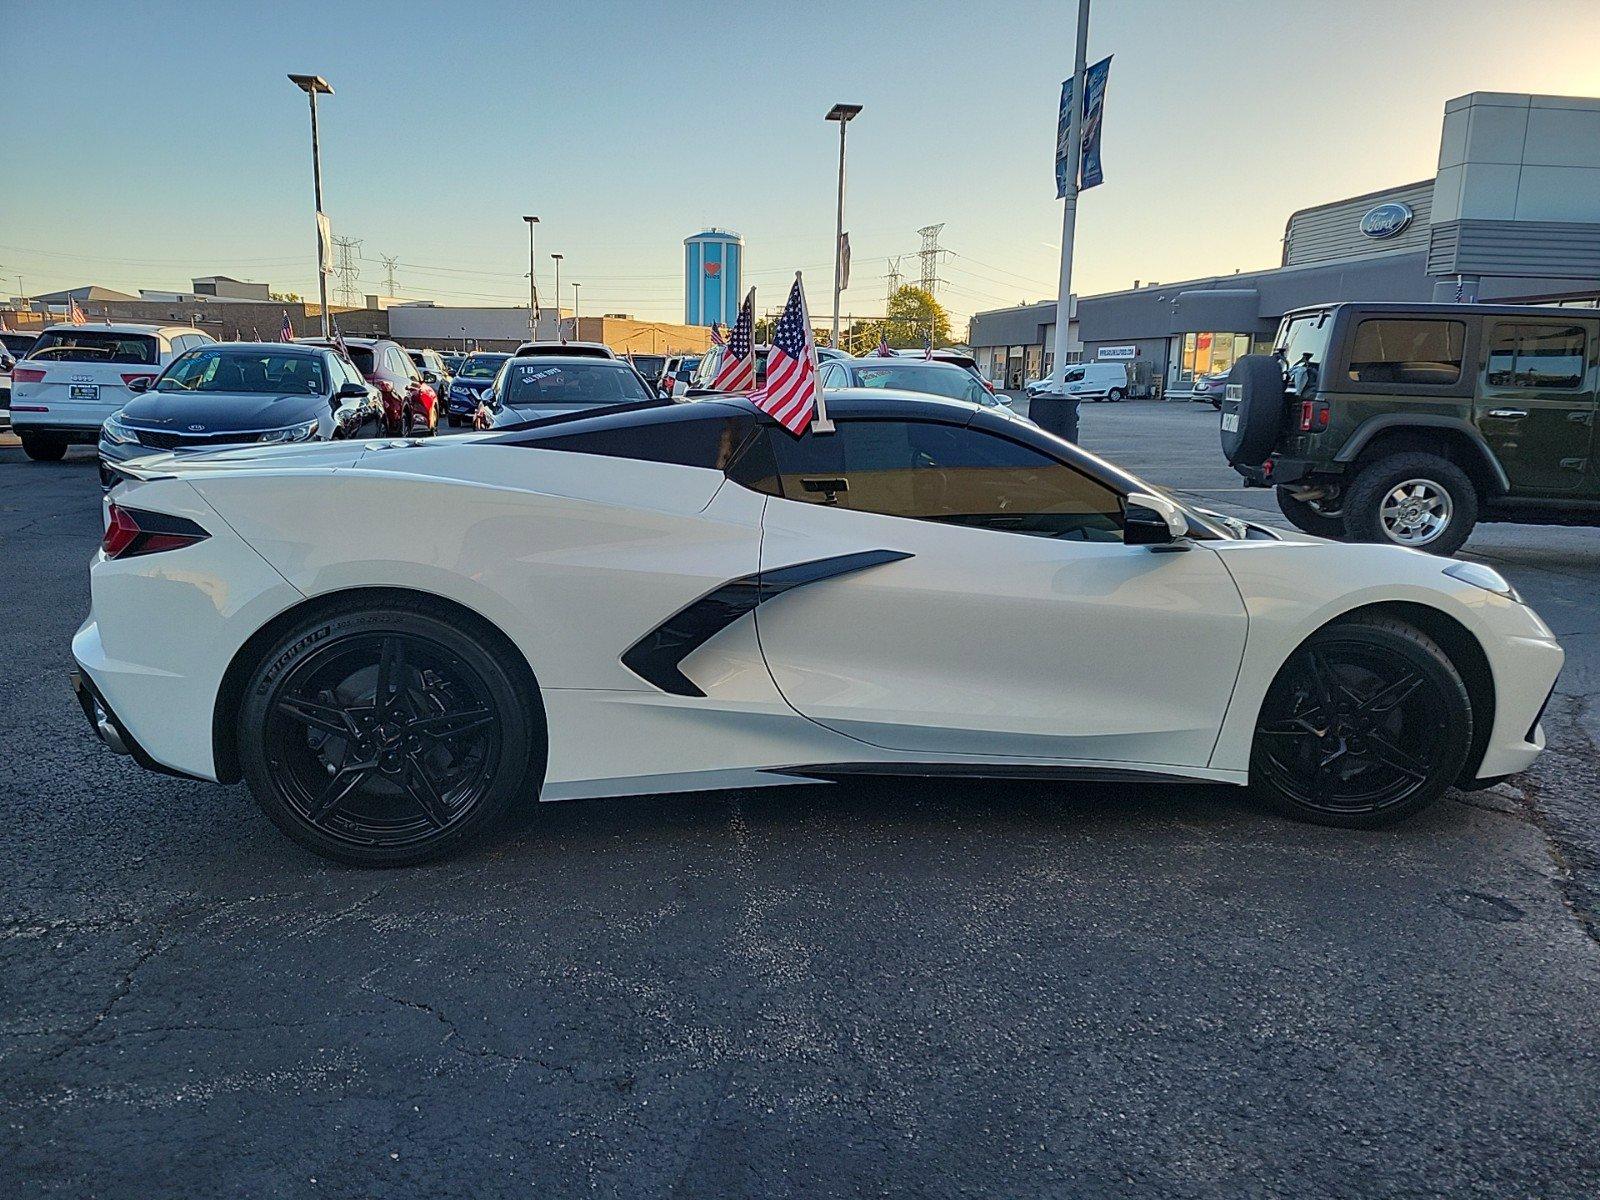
{"x": 75, "y": 376}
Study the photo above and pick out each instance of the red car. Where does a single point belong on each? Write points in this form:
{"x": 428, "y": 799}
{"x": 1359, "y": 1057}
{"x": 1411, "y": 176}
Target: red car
{"x": 410, "y": 406}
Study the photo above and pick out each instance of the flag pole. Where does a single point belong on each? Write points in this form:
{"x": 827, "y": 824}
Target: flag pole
{"x": 819, "y": 423}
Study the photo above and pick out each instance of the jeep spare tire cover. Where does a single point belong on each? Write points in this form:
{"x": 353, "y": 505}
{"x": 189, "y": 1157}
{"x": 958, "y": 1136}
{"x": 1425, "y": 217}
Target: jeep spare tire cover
{"x": 1252, "y": 409}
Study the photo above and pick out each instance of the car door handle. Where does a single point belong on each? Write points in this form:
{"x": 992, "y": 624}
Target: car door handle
{"x": 1508, "y": 414}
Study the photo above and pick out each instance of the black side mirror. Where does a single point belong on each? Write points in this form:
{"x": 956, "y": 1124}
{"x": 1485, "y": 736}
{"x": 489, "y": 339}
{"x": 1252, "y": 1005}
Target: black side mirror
{"x": 141, "y": 384}
{"x": 351, "y": 391}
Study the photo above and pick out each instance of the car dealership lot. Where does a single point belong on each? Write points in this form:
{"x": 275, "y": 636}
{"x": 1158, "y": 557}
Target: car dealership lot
{"x": 918, "y": 987}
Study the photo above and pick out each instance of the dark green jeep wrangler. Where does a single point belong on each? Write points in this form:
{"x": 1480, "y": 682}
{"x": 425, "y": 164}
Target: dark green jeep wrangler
{"x": 1410, "y": 423}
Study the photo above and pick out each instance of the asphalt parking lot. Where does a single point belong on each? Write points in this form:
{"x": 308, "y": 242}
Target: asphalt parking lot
{"x": 886, "y": 988}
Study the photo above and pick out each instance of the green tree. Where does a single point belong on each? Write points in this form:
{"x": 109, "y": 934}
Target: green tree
{"x": 912, "y": 312}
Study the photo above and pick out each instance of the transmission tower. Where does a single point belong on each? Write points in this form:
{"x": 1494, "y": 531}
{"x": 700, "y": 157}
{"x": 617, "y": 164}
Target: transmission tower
{"x": 894, "y": 278}
{"x": 389, "y": 265}
{"x": 929, "y": 254}
{"x": 348, "y": 270}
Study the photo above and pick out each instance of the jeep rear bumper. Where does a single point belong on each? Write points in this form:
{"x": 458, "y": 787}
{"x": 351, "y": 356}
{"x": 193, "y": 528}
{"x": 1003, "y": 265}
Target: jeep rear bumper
{"x": 1278, "y": 471}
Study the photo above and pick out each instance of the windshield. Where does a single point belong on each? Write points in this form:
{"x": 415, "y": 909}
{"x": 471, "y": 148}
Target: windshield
{"x": 253, "y": 371}
{"x": 97, "y": 345}
{"x": 930, "y": 379}
{"x": 686, "y": 369}
{"x": 17, "y": 344}
{"x": 481, "y": 366}
{"x": 571, "y": 385}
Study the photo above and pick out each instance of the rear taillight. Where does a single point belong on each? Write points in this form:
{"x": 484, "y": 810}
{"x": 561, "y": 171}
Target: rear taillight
{"x": 1314, "y": 416}
{"x": 27, "y": 375}
{"x": 133, "y": 532}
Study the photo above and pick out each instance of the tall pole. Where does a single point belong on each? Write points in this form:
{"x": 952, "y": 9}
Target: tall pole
{"x": 311, "y": 85}
{"x": 558, "y": 258}
{"x": 842, "y": 113}
{"x": 1069, "y": 213}
{"x": 575, "y": 288}
{"x": 533, "y": 286}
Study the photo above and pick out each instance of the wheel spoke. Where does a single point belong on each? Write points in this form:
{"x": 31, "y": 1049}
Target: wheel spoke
{"x": 420, "y": 788}
{"x": 1392, "y": 696}
{"x": 1317, "y": 670}
{"x": 340, "y": 784}
{"x": 1390, "y": 755}
{"x": 391, "y": 662}
{"x": 318, "y": 715}
{"x": 451, "y": 724}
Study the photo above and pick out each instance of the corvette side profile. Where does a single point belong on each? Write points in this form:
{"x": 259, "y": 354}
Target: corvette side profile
{"x": 393, "y": 642}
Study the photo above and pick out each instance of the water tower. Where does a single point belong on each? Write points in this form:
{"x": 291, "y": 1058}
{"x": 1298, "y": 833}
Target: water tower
{"x": 713, "y": 273}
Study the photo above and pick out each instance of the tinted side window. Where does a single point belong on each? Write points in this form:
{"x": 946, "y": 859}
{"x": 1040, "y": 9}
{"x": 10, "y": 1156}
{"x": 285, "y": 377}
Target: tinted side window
{"x": 934, "y": 472}
{"x": 1536, "y": 356}
{"x": 711, "y": 443}
{"x": 1397, "y": 350}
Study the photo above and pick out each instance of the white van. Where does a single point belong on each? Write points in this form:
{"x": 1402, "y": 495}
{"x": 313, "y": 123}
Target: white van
{"x": 75, "y": 376}
{"x": 1097, "y": 380}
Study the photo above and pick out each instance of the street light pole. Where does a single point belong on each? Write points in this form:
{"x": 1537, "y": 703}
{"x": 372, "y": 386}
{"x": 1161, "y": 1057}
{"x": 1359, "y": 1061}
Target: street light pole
{"x": 842, "y": 113}
{"x": 1069, "y": 215}
{"x": 533, "y": 286}
{"x": 558, "y": 259}
{"x": 575, "y": 288}
{"x": 311, "y": 85}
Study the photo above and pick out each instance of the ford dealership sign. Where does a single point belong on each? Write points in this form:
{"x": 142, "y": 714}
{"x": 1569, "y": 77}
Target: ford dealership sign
{"x": 1387, "y": 220}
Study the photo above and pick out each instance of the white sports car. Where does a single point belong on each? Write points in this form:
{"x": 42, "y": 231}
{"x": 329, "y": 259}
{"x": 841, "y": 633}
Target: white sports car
{"x": 392, "y": 642}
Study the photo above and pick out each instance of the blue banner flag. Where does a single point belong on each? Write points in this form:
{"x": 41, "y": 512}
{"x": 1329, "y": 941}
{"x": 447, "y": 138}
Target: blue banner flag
{"x": 1094, "y": 87}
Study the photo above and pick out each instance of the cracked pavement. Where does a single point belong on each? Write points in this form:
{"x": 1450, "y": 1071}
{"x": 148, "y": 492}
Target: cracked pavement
{"x": 905, "y": 988}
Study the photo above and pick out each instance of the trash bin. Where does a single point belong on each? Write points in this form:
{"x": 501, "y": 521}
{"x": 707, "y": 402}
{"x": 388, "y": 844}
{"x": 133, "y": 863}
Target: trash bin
{"x": 1055, "y": 414}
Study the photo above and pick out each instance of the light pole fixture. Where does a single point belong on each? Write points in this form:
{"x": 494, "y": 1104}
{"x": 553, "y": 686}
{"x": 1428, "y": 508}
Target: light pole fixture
{"x": 312, "y": 86}
{"x": 558, "y": 258}
{"x": 844, "y": 114}
{"x": 575, "y": 288}
{"x": 533, "y": 285}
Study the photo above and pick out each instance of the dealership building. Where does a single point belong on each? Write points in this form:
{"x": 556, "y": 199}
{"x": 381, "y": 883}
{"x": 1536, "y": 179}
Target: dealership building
{"x": 1512, "y": 216}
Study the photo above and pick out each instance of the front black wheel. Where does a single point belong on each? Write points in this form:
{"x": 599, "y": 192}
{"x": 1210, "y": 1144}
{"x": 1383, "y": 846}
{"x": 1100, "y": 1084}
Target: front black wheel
{"x": 1366, "y": 723}
{"x": 386, "y": 736}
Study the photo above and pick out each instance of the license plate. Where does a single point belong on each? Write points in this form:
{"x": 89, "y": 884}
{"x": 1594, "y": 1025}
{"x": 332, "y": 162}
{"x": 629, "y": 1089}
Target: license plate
{"x": 85, "y": 391}
{"x": 1230, "y": 422}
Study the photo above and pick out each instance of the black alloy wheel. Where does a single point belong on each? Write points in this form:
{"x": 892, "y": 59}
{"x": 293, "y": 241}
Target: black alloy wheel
{"x": 386, "y": 737}
{"x": 1366, "y": 723}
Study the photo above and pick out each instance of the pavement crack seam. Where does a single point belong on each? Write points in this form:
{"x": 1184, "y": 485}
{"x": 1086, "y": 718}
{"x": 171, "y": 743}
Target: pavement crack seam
{"x": 452, "y": 1036}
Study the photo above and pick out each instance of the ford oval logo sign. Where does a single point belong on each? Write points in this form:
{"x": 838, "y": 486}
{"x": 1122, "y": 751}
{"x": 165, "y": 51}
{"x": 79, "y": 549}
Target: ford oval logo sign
{"x": 1387, "y": 220}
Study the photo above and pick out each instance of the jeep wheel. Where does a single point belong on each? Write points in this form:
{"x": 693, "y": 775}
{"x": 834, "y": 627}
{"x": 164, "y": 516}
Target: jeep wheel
{"x": 1420, "y": 501}
{"x": 1305, "y": 516}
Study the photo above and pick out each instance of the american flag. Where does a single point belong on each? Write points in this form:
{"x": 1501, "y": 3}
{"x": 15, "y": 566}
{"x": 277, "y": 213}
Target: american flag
{"x": 338, "y": 340}
{"x": 791, "y": 391}
{"x": 74, "y": 313}
{"x": 716, "y": 334}
{"x": 286, "y": 330}
{"x": 737, "y": 371}
{"x": 884, "y": 350}
{"x": 927, "y": 345}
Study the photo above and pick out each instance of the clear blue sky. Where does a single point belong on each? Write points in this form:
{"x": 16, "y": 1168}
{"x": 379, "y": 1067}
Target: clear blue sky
{"x": 150, "y": 142}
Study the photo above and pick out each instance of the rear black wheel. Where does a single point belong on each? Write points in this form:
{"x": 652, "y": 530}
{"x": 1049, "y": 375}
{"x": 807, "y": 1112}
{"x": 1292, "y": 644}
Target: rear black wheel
{"x": 43, "y": 449}
{"x": 386, "y": 736}
{"x": 1365, "y": 724}
{"x": 1310, "y": 517}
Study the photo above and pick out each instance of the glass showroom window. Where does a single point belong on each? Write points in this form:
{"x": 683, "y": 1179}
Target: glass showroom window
{"x": 1211, "y": 353}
